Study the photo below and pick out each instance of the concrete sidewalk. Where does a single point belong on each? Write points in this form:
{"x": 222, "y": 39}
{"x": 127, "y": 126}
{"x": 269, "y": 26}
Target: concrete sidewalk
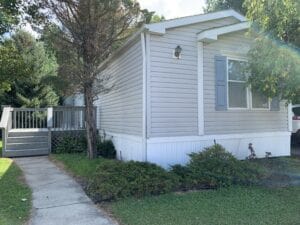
{"x": 57, "y": 198}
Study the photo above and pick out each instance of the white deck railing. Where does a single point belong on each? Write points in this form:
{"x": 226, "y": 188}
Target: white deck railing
{"x": 63, "y": 118}
{"x": 56, "y": 118}
{"x": 68, "y": 118}
{"x": 25, "y": 118}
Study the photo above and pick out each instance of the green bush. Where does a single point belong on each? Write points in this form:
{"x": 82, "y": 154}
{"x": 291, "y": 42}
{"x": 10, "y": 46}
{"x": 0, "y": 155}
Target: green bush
{"x": 184, "y": 177}
{"x": 71, "y": 144}
{"x": 215, "y": 167}
{"x": 106, "y": 149}
{"x": 115, "y": 179}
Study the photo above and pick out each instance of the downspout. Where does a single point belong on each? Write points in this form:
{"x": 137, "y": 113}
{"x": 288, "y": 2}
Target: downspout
{"x": 144, "y": 133}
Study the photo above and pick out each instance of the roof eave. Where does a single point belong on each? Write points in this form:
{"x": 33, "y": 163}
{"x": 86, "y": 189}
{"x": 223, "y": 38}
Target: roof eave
{"x": 212, "y": 35}
{"x": 160, "y": 28}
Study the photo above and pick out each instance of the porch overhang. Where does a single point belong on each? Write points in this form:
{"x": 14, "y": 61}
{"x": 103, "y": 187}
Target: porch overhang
{"x": 212, "y": 35}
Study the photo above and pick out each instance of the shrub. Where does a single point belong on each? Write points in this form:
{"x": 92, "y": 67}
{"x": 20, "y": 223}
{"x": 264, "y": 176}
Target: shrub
{"x": 184, "y": 176}
{"x": 71, "y": 144}
{"x": 115, "y": 179}
{"x": 106, "y": 149}
{"x": 215, "y": 167}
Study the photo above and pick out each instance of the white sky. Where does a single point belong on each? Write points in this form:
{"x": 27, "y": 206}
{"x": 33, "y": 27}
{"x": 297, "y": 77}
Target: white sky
{"x": 174, "y": 8}
{"x": 168, "y": 8}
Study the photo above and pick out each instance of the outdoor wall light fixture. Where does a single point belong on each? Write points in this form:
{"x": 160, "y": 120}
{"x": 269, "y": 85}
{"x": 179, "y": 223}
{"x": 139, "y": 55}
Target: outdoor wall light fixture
{"x": 177, "y": 52}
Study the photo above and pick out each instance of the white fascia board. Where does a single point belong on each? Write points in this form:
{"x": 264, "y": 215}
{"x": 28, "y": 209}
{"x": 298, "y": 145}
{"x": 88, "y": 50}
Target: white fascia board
{"x": 212, "y": 34}
{"x": 160, "y": 28}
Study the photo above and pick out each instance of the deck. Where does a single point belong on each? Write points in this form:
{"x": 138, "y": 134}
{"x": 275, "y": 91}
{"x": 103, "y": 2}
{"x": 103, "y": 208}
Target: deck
{"x": 28, "y": 131}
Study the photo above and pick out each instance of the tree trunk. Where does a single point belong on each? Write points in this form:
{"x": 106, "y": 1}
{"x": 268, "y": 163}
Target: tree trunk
{"x": 91, "y": 131}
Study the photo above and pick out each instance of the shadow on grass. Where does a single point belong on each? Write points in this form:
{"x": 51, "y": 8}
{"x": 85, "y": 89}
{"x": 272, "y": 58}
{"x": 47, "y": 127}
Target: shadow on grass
{"x": 280, "y": 172}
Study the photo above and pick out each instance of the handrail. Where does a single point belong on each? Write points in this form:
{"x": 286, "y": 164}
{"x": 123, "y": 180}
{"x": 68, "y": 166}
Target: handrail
{"x": 5, "y": 117}
{"x": 5, "y": 125}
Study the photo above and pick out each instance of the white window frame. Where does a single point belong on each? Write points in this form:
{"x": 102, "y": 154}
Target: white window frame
{"x": 248, "y": 90}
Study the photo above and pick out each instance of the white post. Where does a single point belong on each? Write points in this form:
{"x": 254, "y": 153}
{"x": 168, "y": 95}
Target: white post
{"x": 49, "y": 117}
{"x": 49, "y": 125}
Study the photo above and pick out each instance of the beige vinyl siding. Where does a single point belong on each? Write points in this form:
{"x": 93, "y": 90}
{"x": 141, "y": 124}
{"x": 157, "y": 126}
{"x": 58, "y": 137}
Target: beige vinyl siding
{"x": 235, "y": 45}
{"x": 173, "y": 99}
{"x": 120, "y": 110}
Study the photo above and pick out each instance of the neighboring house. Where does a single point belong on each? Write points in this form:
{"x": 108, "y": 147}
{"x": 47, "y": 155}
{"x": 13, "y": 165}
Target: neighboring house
{"x": 180, "y": 85}
{"x": 74, "y": 100}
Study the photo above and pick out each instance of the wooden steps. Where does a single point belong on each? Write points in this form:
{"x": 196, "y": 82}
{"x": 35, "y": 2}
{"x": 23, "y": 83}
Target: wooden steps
{"x": 27, "y": 143}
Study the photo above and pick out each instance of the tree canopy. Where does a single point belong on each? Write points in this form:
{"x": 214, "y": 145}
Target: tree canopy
{"x": 9, "y": 14}
{"x": 275, "y": 56}
{"x": 87, "y": 34}
{"x": 217, "y": 5}
{"x": 26, "y": 59}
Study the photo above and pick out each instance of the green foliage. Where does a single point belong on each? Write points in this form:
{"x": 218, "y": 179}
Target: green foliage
{"x": 116, "y": 179}
{"x": 275, "y": 69}
{"x": 215, "y": 167}
{"x": 71, "y": 144}
{"x": 217, "y": 5}
{"x": 274, "y": 58}
{"x": 29, "y": 66}
{"x": 278, "y": 18}
{"x": 11, "y": 65}
{"x": 68, "y": 143}
{"x": 15, "y": 12}
{"x": 9, "y": 12}
{"x": 184, "y": 176}
{"x": 106, "y": 149}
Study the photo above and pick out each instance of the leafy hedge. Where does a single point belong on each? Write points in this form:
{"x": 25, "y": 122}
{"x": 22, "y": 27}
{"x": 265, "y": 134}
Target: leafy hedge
{"x": 215, "y": 167}
{"x": 71, "y": 144}
{"x": 106, "y": 149}
{"x": 78, "y": 144}
{"x": 115, "y": 179}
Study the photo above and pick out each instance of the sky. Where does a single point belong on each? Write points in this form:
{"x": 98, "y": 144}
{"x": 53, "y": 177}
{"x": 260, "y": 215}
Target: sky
{"x": 174, "y": 8}
{"x": 168, "y": 8}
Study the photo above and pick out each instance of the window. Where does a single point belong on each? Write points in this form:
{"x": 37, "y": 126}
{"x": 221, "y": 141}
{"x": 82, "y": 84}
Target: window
{"x": 237, "y": 87}
{"x": 259, "y": 101}
{"x": 239, "y": 95}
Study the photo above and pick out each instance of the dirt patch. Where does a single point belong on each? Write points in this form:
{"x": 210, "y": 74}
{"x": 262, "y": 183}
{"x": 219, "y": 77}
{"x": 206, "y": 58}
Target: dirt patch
{"x": 105, "y": 206}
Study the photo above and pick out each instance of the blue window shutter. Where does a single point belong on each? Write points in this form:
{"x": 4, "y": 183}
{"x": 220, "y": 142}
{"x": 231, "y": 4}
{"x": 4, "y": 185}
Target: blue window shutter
{"x": 275, "y": 104}
{"x": 221, "y": 82}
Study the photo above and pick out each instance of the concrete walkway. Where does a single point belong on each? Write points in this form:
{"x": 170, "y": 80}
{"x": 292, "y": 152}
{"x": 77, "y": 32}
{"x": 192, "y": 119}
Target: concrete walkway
{"x": 57, "y": 198}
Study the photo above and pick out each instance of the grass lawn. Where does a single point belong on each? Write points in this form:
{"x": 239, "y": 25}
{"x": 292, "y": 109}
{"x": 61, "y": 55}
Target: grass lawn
{"x": 13, "y": 211}
{"x": 236, "y": 206}
{"x": 78, "y": 164}
{"x": 233, "y": 206}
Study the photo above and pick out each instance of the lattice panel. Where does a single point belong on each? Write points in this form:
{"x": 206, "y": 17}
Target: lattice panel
{"x": 57, "y": 136}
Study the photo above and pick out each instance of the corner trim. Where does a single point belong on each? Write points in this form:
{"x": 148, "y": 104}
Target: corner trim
{"x": 143, "y": 41}
{"x": 200, "y": 90}
{"x": 148, "y": 84}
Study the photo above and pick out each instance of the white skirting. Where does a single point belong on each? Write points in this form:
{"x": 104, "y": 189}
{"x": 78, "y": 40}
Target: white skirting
{"x": 168, "y": 151}
{"x": 128, "y": 147}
